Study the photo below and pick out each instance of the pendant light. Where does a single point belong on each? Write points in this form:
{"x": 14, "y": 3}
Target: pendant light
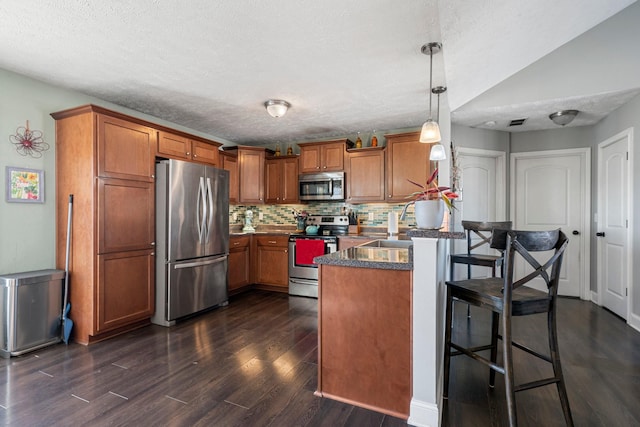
{"x": 430, "y": 129}
{"x": 437, "y": 150}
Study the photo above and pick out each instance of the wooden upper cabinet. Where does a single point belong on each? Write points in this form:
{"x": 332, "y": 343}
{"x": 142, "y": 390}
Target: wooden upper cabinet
{"x": 125, "y": 149}
{"x": 182, "y": 147}
{"x": 251, "y": 174}
{"x": 281, "y": 180}
{"x": 365, "y": 175}
{"x": 327, "y": 156}
{"x": 407, "y": 158}
{"x": 229, "y": 162}
{"x": 126, "y": 212}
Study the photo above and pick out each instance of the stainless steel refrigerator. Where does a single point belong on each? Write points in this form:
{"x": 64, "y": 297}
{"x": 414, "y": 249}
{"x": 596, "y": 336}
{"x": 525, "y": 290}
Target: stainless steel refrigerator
{"x": 192, "y": 235}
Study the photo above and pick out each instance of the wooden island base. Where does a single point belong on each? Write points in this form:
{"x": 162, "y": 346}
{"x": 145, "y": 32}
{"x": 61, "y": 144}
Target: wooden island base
{"x": 364, "y": 330}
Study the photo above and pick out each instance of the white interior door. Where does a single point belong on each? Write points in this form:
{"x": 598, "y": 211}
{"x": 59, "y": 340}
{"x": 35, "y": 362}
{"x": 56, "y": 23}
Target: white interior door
{"x": 549, "y": 190}
{"x": 482, "y": 180}
{"x": 613, "y": 221}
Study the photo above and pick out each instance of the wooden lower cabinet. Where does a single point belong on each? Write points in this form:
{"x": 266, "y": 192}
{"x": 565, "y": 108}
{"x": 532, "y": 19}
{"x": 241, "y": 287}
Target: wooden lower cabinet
{"x": 239, "y": 263}
{"x": 125, "y": 273}
{"x": 271, "y": 262}
{"x": 368, "y": 363}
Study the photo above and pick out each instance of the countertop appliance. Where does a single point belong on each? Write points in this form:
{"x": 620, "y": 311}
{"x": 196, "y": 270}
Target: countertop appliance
{"x": 303, "y": 273}
{"x": 321, "y": 186}
{"x": 192, "y": 235}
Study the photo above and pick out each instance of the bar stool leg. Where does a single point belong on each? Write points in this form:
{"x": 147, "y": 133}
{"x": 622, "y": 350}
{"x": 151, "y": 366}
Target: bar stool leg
{"x": 495, "y": 323}
{"x": 447, "y": 344}
{"x": 557, "y": 368}
{"x": 507, "y": 353}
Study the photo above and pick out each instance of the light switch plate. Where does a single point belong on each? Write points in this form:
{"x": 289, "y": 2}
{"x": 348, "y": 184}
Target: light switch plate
{"x": 371, "y": 218}
{"x": 235, "y": 216}
{"x": 260, "y": 216}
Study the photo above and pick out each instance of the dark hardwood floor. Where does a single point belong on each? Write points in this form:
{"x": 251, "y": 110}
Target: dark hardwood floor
{"x": 254, "y": 363}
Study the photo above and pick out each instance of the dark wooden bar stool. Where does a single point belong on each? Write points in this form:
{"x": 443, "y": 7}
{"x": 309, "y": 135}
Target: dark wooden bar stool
{"x": 481, "y": 230}
{"x": 507, "y": 297}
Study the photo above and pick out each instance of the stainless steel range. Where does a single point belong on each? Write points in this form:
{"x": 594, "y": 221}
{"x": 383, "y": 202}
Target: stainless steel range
{"x": 303, "y": 273}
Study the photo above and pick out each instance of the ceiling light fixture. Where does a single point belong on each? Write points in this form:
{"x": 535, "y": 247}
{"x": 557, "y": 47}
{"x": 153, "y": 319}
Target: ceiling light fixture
{"x": 277, "y": 107}
{"x": 437, "y": 150}
{"x": 430, "y": 129}
{"x": 563, "y": 117}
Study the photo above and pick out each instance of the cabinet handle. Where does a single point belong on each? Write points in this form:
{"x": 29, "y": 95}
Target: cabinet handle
{"x": 285, "y": 251}
{"x": 273, "y": 242}
{"x": 195, "y": 155}
{"x": 153, "y": 243}
{"x": 153, "y": 254}
{"x": 324, "y": 167}
{"x": 188, "y": 153}
{"x": 153, "y": 176}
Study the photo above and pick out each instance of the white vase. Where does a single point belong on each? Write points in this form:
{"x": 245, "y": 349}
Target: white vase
{"x": 429, "y": 213}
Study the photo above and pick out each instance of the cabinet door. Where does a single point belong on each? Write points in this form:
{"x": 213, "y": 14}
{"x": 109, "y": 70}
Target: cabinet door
{"x": 272, "y": 264}
{"x": 310, "y": 159}
{"x": 407, "y": 158}
{"x": 125, "y": 150}
{"x": 365, "y": 170}
{"x": 251, "y": 175}
{"x": 333, "y": 157}
{"x": 239, "y": 262}
{"x": 125, "y": 215}
{"x": 205, "y": 153}
{"x": 174, "y": 146}
{"x": 290, "y": 181}
{"x": 230, "y": 163}
{"x": 125, "y": 292}
{"x": 273, "y": 181}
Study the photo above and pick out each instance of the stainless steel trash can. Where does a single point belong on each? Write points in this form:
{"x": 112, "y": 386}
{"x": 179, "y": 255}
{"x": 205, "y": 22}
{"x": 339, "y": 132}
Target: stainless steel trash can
{"x": 30, "y": 311}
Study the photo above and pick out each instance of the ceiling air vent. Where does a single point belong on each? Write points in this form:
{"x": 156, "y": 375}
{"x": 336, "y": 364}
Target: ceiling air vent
{"x": 517, "y": 122}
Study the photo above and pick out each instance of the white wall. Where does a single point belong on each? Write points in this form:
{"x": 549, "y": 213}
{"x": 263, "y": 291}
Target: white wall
{"x": 27, "y": 231}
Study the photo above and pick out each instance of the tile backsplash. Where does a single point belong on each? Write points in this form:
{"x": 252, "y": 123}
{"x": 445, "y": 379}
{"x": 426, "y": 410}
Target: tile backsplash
{"x": 283, "y": 214}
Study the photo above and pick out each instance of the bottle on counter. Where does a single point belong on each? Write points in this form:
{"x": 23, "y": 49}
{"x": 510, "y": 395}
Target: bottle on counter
{"x": 359, "y": 141}
{"x": 374, "y": 139}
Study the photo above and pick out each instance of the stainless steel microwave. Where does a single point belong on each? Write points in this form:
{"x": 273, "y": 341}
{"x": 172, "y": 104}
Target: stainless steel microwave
{"x": 321, "y": 186}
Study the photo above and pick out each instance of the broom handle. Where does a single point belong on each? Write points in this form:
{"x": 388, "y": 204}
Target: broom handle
{"x": 66, "y": 263}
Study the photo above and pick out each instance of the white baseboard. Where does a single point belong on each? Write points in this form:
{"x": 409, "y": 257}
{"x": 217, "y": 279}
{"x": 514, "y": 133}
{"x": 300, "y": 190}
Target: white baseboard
{"x": 423, "y": 414}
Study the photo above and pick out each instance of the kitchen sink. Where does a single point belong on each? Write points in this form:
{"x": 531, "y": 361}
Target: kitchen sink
{"x": 397, "y": 244}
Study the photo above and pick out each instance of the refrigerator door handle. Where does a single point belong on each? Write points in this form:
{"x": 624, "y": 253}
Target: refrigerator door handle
{"x": 210, "y": 200}
{"x": 199, "y": 263}
{"x": 202, "y": 206}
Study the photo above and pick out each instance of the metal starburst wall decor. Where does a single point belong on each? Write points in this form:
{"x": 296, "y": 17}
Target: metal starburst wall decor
{"x": 29, "y": 141}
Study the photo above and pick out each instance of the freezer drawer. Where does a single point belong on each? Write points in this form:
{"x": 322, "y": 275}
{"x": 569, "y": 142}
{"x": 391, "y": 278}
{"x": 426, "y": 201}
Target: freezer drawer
{"x": 30, "y": 310}
{"x": 196, "y": 285}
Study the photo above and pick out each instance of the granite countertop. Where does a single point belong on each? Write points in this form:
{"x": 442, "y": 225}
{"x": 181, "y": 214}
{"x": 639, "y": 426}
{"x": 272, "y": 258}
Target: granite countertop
{"x": 370, "y": 257}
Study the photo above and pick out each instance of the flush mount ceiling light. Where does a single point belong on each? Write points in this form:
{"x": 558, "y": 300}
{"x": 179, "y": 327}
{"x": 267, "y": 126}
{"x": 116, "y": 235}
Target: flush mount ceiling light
{"x": 277, "y": 107}
{"x": 430, "y": 129}
{"x": 563, "y": 117}
{"x": 437, "y": 150}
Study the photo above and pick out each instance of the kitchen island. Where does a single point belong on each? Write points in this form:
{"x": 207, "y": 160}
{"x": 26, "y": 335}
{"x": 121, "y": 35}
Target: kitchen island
{"x": 380, "y": 325}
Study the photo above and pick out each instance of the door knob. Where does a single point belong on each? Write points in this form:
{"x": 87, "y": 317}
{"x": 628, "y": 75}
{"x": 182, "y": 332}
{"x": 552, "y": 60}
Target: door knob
{"x": 575, "y": 232}
{"x": 600, "y": 234}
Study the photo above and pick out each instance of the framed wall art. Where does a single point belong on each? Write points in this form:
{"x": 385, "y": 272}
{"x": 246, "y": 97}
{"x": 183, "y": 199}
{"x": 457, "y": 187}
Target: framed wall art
{"x": 24, "y": 185}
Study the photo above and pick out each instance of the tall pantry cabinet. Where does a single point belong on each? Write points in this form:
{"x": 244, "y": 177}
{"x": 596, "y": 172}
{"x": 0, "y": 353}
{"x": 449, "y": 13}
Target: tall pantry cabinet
{"x": 107, "y": 161}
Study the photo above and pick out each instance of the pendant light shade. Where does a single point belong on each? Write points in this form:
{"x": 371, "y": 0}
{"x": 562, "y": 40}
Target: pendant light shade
{"x": 430, "y": 130}
{"x": 437, "y": 152}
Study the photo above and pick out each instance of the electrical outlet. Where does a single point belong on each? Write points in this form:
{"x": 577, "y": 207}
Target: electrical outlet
{"x": 371, "y": 218}
{"x": 260, "y": 216}
{"x": 234, "y": 216}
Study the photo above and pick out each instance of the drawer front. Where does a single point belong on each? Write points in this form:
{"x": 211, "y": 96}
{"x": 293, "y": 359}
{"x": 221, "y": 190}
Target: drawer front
{"x": 239, "y": 242}
{"x": 273, "y": 240}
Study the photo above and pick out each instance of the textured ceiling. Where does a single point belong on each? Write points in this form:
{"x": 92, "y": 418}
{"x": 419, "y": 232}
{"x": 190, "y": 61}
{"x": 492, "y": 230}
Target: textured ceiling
{"x": 345, "y": 66}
